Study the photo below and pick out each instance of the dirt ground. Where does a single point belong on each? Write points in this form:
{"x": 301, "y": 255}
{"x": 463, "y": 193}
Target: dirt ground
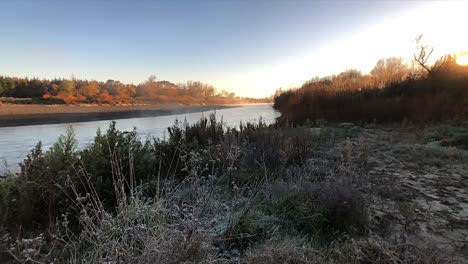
{"x": 420, "y": 185}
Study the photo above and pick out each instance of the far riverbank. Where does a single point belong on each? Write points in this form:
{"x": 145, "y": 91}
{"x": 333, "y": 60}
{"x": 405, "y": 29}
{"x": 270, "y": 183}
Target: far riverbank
{"x": 25, "y": 115}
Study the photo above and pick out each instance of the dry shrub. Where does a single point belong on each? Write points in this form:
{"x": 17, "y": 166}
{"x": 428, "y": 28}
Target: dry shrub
{"x": 137, "y": 230}
{"x": 438, "y": 96}
{"x": 322, "y": 211}
{"x": 142, "y": 230}
{"x": 324, "y": 198}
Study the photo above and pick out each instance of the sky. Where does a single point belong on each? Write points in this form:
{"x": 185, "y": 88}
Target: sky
{"x": 248, "y": 47}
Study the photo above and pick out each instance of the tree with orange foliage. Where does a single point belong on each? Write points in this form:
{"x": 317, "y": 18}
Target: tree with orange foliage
{"x": 105, "y": 97}
{"x": 90, "y": 91}
{"x": 389, "y": 70}
{"x": 125, "y": 92}
{"x": 66, "y": 87}
{"x": 67, "y": 98}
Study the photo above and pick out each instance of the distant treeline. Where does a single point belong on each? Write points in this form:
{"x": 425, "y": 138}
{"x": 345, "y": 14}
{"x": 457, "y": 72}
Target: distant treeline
{"x": 111, "y": 92}
{"x": 393, "y": 91}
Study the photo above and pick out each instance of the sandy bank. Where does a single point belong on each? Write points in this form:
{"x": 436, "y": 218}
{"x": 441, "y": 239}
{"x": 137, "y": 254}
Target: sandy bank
{"x": 23, "y": 115}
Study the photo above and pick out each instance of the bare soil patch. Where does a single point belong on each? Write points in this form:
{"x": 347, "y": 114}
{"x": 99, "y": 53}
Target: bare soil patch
{"x": 420, "y": 187}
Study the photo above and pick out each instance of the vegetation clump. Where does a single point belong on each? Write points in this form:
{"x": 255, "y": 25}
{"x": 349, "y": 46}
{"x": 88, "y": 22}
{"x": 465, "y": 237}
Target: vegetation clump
{"x": 206, "y": 194}
{"x": 392, "y": 92}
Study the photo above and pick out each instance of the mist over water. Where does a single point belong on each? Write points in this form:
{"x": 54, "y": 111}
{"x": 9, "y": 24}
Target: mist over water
{"x": 16, "y": 142}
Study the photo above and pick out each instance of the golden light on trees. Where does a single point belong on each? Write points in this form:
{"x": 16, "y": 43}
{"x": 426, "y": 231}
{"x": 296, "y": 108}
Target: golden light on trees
{"x": 463, "y": 59}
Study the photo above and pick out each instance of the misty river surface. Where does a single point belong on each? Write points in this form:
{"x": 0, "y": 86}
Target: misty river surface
{"x": 16, "y": 142}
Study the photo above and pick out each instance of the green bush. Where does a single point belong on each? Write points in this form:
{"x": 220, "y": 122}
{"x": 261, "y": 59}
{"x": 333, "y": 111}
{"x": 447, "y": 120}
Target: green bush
{"x": 47, "y": 180}
{"x": 36, "y": 197}
{"x": 19, "y": 203}
{"x": 112, "y": 152}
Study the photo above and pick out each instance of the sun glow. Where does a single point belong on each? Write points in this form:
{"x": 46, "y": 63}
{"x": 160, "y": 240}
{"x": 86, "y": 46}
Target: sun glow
{"x": 463, "y": 59}
{"x": 390, "y": 37}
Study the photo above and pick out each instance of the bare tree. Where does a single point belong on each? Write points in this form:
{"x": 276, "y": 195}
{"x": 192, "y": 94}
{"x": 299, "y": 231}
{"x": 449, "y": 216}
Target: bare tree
{"x": 423, "y": 54}
{"x": 389, "y": 70}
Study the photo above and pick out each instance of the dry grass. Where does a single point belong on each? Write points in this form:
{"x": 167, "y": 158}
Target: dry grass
{"x": 371, "y": 250}
{"x": 217, "y": 195}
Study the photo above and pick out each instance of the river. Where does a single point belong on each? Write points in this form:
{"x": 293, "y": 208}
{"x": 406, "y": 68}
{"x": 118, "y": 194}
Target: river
{"x": 16, "y": 142}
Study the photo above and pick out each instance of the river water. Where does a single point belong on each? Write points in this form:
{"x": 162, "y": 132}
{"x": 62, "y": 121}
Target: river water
{"x": 16, "y": 142}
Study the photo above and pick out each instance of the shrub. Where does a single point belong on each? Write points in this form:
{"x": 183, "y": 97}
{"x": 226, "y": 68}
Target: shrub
{"x": 45, "y": 179}
{"x": 198, "y": 133}
{"x": 35, "y": 196}
{"x": 138, "y": 230}
{"x": 117, "y": 152}
{"x": 19, "y": 204}
{"x": 322, "y": 211}
{"x": 438, "y": 96}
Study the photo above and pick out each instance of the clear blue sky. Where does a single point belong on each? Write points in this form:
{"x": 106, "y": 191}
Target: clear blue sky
{"x": 225, "y": 43}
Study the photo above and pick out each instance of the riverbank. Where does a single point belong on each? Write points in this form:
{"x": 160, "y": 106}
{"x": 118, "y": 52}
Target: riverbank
{"x": 24, "y": 115}
{"x": 261, "y": 194}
